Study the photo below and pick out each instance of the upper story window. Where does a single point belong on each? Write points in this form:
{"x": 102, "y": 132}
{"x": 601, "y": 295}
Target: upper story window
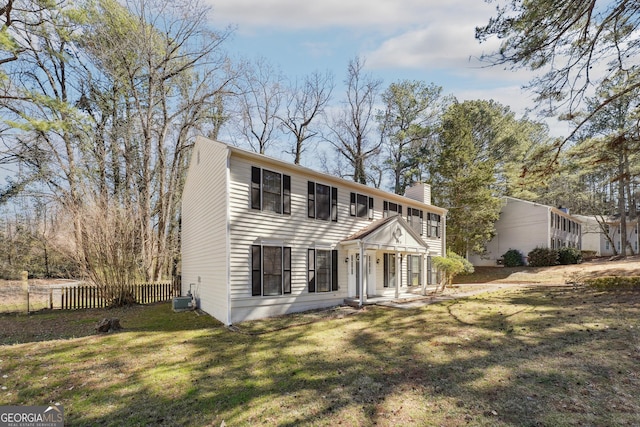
{"x": 391, "y": 209}
{"x": 322, "y": 201}
{"x": 270, "y": 191}
{"x": 415, "y": 218}
{"x": 433, "y": 225}
{"x": 361, "y": 206}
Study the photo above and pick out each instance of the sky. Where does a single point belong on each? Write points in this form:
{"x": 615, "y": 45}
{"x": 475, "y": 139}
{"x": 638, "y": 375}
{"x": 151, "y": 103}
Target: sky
{"x": 428, "y": 40}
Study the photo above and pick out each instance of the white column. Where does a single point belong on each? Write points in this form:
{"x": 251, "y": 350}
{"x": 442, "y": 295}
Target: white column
{"x": 398, "y": 274}
{"x": 363, "y": 289}
{"x": 423, "y": 274}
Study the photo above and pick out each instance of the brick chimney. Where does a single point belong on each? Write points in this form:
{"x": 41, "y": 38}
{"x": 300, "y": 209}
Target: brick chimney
{"x": 419, "y": 191}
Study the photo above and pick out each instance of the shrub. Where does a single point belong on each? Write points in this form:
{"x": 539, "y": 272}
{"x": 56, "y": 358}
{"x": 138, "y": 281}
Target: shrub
{"x": 513, "y": 258}
{"x": 543, "y": 257}
{"x": 467, "y": 267}
{"x": 451, "y": 266}
{"x": 569, "y": 256}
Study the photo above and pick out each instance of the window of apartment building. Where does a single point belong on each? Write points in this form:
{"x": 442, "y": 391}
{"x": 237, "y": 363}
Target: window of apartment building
{"x": 390, "y": 209}
{"x": 322, "y": 270}
{"x": 270, "y": 270}
{"x": 270, "y": 191}
{"x": 322, "y": 201}
{"x": 415, "y": 218}
{"x": 414, "y": 270}
{"x": 433, "y": 225}
{"x": 361, "y": 206}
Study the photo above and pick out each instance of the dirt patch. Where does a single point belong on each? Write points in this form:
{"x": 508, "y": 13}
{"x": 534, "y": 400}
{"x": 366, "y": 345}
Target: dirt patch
{"x": 556, "y": 275}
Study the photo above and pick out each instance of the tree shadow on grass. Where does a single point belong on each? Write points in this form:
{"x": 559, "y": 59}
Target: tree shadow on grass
{"x": 531, "y": 357}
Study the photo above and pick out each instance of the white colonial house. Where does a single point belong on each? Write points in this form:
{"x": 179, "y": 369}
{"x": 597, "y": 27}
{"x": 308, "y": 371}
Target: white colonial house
{"x": 525, "y": 225}
{"x": 603, "y": 235}
{"x": 593, "y": 239}
{"x": 263, "y": 237}
{"x": 614, "y": 230}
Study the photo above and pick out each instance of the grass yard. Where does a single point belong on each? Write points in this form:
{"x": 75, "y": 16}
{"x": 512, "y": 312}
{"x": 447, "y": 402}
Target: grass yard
{"x": 550, "y": 356}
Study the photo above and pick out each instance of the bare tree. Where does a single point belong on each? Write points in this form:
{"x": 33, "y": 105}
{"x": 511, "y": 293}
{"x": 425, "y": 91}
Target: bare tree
{"x": 105, "y": 113}
{"x": 164, "y": 79}
{"x": 351, "y": 128}
{"x": 259, "y": 101}
{"x": 305, "y": 102}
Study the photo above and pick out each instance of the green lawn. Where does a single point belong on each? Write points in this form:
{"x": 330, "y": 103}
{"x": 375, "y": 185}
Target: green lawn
{"x": 549, "y": 356}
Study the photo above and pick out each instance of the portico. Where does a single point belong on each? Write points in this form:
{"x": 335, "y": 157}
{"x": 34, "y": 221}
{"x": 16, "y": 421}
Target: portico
{"x": 387, "y": 258}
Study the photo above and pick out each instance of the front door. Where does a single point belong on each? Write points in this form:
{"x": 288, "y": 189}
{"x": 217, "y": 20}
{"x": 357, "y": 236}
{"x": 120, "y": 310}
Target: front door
{"x": 389, "y": 270}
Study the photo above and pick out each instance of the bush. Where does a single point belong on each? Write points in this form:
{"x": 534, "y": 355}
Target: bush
{"x": 543, "y": 257}
{"x": 513, "y": 258}
{"x": 569, "y": 256}
{"x": 467, "y": 267}
{"x": 451, "y": 266}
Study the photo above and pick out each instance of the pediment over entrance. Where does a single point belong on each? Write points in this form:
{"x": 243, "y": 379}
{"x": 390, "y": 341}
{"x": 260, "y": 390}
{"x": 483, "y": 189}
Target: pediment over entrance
{"x": 392, "y": 233}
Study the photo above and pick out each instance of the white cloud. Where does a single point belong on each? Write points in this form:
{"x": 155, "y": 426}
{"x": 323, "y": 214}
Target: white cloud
{"x": 377, "y": 15}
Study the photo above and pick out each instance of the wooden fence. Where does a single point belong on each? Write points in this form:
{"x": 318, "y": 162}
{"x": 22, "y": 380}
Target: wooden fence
{"x": 90, "y": 296}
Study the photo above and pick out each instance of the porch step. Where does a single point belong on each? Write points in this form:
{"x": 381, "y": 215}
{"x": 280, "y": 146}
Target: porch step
{"x": 355, "y": 302}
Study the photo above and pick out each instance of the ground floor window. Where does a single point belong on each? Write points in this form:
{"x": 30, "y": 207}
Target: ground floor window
{"x": 270, "y": 270}
{"x": 322, "y": 274}
{"x": 414, "y": 270}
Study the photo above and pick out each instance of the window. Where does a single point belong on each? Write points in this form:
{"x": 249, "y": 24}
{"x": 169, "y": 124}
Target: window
{"x": 390, "y": 209}
{"x": 414, "y": 270}
{"x": 322, "y": 274}
{"x": 361, "y": 206}
{"x": 433, "y": 225}
{"x": 415, "y": 219}
{"x": 270, "y": 191}
{"x": 322, "y": 201}
{"x": 270, "y": 270}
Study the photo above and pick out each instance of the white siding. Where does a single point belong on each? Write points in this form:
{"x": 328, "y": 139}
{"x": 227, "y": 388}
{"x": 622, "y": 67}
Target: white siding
{"x": 205, "y": 240}
{"x": 297, "y": 231}
{"x": 522, "y": 226}
{"x": 525, "y": 226}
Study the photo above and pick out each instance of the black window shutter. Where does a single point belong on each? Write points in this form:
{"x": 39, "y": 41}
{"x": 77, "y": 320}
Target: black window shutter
{"x": 352, "y": 210}
{"x": 255, "y": 188}
{"x": 334, "y": 270}
{"x": 334, "y": 204}
{"x": 286, "y": 194}
{"x": 286, "y": 270}
{"x": 370, "y": 207}
{"x": 311, "y": 261}
{"x": 256, "y": 270}
{"x": 311, "y": 199}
